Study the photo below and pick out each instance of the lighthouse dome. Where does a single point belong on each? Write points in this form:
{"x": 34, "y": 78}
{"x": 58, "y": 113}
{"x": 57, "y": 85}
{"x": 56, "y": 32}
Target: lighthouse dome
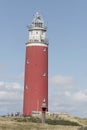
{"x": 37, "y": 21}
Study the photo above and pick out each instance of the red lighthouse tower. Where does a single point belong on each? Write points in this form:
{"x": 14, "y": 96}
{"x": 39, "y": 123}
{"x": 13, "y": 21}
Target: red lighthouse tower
{"x": 36, "y": 68}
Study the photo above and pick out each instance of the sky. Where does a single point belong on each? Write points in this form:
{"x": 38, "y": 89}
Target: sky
{"x": 67, "y": 34}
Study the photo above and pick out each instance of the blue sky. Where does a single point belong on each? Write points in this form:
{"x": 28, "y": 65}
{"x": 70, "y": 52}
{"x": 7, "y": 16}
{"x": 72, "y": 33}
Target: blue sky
{"x": 67, "y": 34}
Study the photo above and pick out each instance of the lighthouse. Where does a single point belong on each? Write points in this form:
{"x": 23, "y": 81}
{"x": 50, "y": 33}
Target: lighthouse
{"x": 36, "y": 68}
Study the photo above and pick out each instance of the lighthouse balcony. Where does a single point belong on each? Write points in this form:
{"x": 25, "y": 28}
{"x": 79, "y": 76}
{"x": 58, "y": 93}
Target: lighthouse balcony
{"x": 37, "y": 41}
{"x": 32, "y": 27}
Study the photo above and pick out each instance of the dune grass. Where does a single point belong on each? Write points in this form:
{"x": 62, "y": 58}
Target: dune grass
{"x": 21, "y": 123}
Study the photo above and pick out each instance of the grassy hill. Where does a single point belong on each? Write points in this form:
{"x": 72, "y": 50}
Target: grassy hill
{"x": 21, "y": 123}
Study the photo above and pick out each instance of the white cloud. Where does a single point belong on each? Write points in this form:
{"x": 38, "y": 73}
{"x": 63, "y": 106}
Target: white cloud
{"x": 80, "y": 96}
{"x": 61, "y": 100}
{"x": 67, "y": 93}
{"x": 11, "y": 97}
{"x": 1, "y": 83}
{"x": 74, "y": 103}
{"x": 62, "y": 80}
{"x": 10, "y": 87}
{"x": 68, "y": 96}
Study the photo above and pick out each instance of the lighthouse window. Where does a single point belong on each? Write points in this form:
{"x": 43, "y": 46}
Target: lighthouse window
{"x": 26, "y": 87}
{"x": 44, "y": 74}
{"x": 36, "y": 32}
{"x": 44, "y": 49}
{"x": 38, "y": 24}
{"x": 28, "y": 61}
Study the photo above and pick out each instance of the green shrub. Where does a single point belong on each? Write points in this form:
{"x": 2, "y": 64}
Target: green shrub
{"x": 28, "y": 119}
{"x": 61, "y": 122}
{"x": 35, "y": 119}
{"x": 48, "y": 121}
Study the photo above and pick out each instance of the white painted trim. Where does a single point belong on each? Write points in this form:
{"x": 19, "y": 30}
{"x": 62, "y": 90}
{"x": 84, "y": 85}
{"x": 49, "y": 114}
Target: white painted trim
{"x": 37, "y": 44}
